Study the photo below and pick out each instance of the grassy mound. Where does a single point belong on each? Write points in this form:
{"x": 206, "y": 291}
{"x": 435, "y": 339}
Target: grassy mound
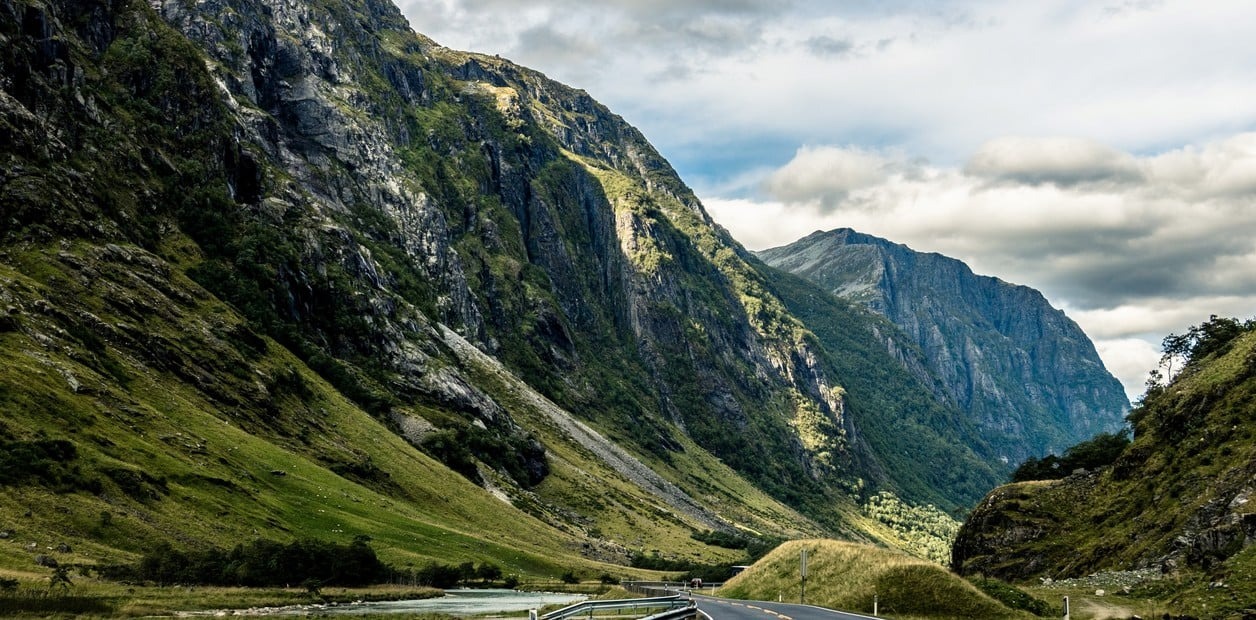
{"x": 847, "y": 576}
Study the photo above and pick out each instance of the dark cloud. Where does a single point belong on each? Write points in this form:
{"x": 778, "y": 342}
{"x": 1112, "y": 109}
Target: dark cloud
{"x": 551, "y": 46}
{"x": 1065, "y": 162}
{"x": 1117, "y": 272}
{"x": 828, "y": 47}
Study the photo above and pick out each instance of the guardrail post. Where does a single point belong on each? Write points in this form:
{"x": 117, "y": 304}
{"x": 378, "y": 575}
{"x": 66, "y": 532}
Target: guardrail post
{"x": 531, "y": 614}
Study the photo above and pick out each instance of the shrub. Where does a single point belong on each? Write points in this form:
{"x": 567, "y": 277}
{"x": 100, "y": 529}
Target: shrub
{"x": 263, "y": 563}
{"x": 1100, "y": 451}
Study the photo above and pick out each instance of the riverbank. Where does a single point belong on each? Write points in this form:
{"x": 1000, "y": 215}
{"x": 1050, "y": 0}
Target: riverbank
{"x": 89, "y": 598}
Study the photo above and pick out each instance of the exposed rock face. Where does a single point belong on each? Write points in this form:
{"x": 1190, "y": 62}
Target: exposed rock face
{"x": 1028, "y": 376}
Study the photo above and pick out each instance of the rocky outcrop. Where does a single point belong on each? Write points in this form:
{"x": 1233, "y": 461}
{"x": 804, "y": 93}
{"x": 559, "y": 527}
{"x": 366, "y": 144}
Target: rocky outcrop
{"x": 1027, "y": 375}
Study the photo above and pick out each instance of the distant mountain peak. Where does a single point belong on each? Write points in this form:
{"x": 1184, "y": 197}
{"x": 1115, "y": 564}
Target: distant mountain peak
{"x": 1027, "y": 374}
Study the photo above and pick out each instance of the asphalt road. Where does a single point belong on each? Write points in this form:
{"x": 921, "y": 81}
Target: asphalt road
{"x": 728, "y": 609}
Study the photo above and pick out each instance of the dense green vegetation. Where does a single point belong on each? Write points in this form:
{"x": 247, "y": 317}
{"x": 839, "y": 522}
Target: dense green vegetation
{"x": 1101, "y": 451}
{"x": 261, "y": 563}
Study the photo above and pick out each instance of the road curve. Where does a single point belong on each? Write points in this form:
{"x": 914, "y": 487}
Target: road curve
{"x": 729, "y": 609}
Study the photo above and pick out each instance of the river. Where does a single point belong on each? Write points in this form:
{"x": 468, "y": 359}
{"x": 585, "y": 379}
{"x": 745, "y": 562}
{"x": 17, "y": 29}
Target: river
{"x": 455, "y": 603}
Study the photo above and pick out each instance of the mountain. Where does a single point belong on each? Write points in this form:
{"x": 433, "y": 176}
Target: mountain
{"x": 291, "y": 269}
{"x": 1175, "y": 505}
{"x": 1027, "y": 376}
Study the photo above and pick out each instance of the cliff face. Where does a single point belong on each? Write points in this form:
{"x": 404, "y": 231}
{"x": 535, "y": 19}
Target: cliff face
{"x": 1176, "y": 503}
{"x": 1027, "y": 375}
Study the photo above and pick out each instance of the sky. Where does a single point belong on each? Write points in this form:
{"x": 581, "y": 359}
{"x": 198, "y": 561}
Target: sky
{"x": 1103, "y": 152}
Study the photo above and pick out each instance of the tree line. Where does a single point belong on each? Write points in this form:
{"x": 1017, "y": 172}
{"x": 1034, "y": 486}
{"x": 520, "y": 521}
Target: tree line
{"x": 305, "y": 562}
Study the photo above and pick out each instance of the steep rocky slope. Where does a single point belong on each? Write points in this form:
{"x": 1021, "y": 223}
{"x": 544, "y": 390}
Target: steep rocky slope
{"x": 1028, "y": 377}
{"x": 296, "y": 267}
{"x": 1177, "y": 501}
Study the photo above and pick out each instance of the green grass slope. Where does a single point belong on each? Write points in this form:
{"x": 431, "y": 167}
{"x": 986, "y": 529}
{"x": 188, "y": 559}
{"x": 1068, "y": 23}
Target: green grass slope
{"x": 180, "y": 438}
{"x": 848, "y": 576}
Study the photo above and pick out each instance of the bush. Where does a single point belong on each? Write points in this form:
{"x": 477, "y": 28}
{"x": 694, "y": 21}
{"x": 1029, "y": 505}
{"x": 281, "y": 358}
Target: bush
{"x": 570, "y": 577}
{"x": 52, "y": 463}
{"x": 263, "y": 563}
{"x": 1100, "y": 451}
{"x": 1013, "y": 597}
{"x": 438, "y": 576}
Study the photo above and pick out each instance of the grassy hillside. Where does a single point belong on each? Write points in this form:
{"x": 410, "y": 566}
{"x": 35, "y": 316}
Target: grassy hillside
{"x": 261, "y": 447}
{"x": 1177, "y": 500}
{"x": 847, "y": 576}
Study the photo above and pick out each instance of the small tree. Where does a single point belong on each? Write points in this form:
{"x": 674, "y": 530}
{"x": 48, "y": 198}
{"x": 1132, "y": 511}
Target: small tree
{"x": 313, "y": 587}
{"x": 489, "y": 572}
{"x": 570, "y": 577}
{"x": 466, "y": 572}
{"x": 60, "y": 578}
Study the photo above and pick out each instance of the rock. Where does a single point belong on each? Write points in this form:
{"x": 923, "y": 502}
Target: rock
{"x": 63, "y": 548}
{"x": 1100, "y": 592}
{"x": 46, "y": 560}
{"x": 5, "y": 534}
{"x": 278, "y": 472}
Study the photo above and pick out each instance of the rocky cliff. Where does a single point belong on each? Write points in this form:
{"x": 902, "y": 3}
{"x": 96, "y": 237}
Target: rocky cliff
{"x": 1175, "y": 507}
{"x": 1028, "y": 377}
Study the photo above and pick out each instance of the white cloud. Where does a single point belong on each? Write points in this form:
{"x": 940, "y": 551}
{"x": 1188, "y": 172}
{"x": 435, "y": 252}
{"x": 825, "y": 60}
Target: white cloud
{"x": 1130, "y": 360}
{"x": 828, "y": 175}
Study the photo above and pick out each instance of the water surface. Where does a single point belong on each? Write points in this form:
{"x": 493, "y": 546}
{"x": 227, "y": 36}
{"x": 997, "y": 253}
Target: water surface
{"x": 454, "y": 603}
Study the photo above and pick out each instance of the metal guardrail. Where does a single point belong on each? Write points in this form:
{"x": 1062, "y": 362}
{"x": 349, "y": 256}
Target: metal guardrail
{"x": 674, "y": 604}
{"x": 667, "y": 587}
{"x": 688, "y": 611}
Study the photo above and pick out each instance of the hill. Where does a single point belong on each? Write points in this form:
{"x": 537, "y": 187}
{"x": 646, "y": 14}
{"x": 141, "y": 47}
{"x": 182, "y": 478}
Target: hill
{"x": 847, "y": 576}
{"x": 1175, "y": 505}
{"x": 1026, "y": 376}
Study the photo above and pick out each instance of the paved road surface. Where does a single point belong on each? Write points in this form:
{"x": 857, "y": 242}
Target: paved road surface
{"x": 728, "y": 609}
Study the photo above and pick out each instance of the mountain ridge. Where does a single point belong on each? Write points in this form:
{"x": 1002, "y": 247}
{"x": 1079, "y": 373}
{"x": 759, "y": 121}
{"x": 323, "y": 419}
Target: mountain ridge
{"x": 1024, "y": 371}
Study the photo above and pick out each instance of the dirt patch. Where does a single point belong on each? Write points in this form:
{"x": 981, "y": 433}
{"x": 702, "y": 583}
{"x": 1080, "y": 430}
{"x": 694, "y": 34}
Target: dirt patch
{"x": 1098, "y": 609}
